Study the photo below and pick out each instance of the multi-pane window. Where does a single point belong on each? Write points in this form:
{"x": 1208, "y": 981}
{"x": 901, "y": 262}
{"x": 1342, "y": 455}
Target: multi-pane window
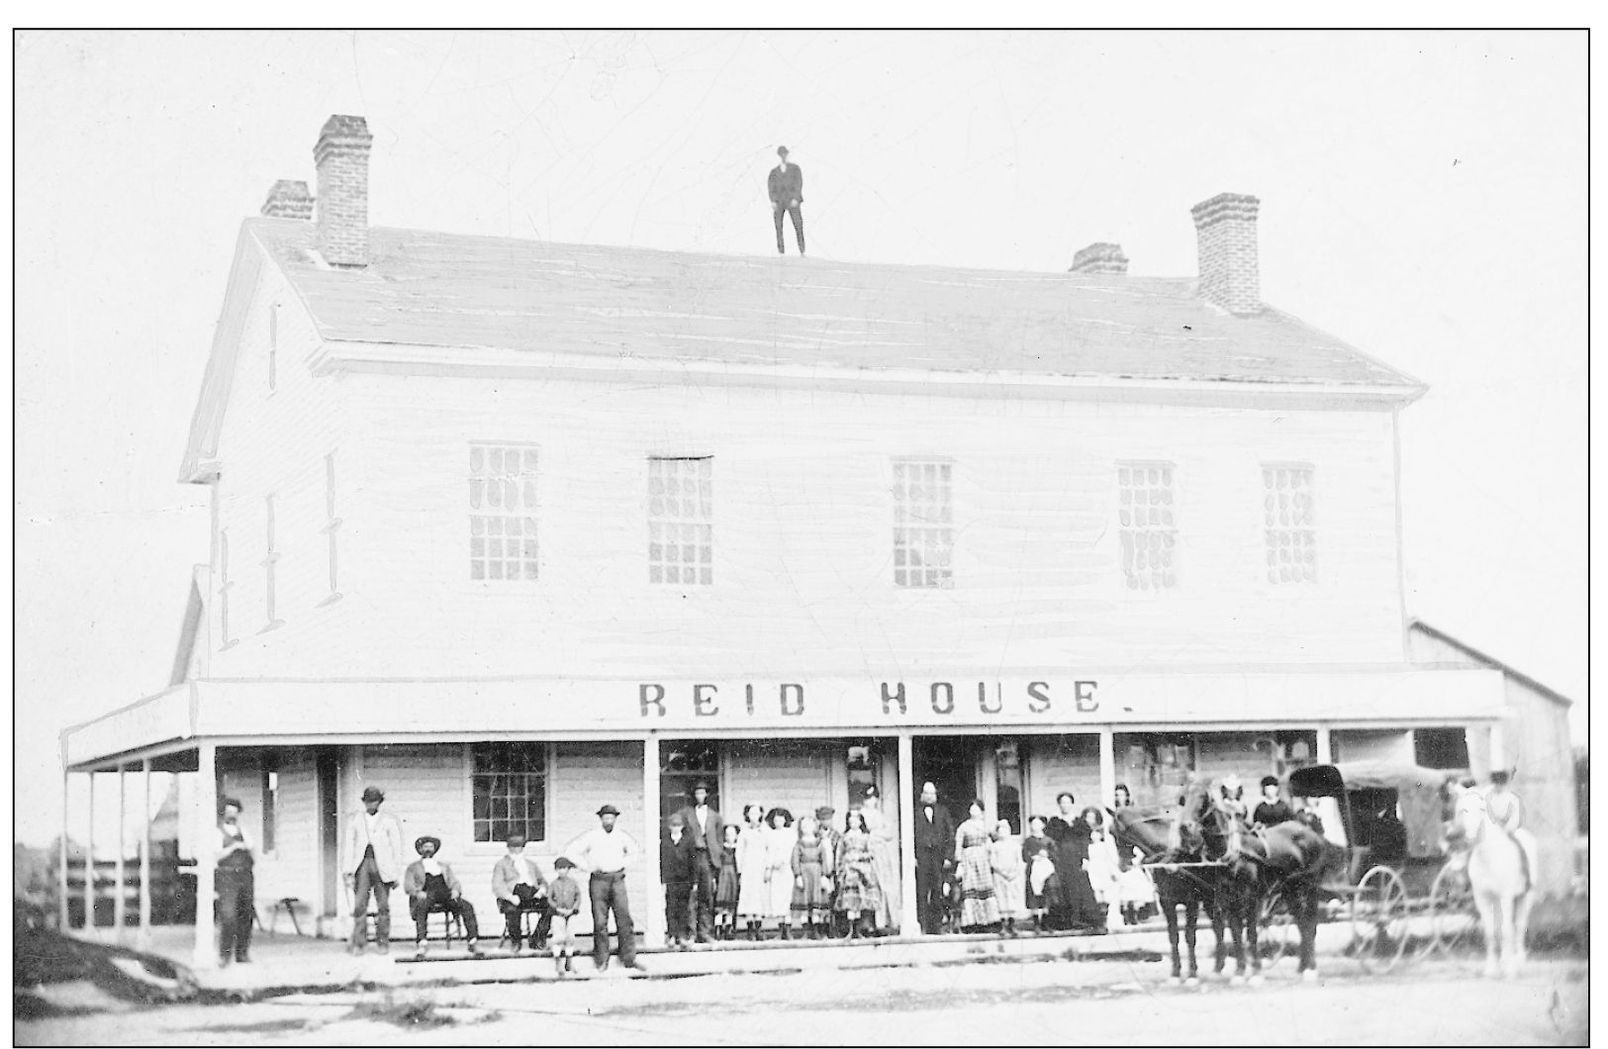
{"x": 923, "y": 524}
{"x": 270, "y": 565}
{"x": 332, "y": 524}
{"x": 509, "y": 785}
{"x": 502, "y": 512}
{"x": 680, "y": 521}
{"x": 224, "y": 586}
{"x": 1292, "y": 536}
{"x": 683, "y": 764}
{"x": 1147, "y": 527}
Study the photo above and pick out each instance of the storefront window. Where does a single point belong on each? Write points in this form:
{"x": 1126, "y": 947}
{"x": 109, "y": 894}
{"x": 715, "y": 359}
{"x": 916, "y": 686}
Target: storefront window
{"x": 1155, "y": 766}
{"x": 1440, "y": 748}
{"x": 863, "y": 765}
{"x": 509, "y": 782}
{"x": 1008, "y": 783}
{"x": 682, "y": 764}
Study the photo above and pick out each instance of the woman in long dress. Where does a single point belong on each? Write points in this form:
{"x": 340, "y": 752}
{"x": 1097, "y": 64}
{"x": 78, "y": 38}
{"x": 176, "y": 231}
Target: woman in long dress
{"x": 779, "y": 841}
{"x": 751, "y": 897}
{"x": 1005, "y": 859}
{"x": 975, "y": 870}
{"x": 885, "y": 855}
{"x": 812, "y": 876}
{"x": 1074, "y": 906}
{"x": 860, "y": 894}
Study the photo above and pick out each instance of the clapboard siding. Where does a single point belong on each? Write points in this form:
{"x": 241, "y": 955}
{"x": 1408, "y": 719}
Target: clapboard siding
{"x": 427, "y": 787}
{"x": 792, "y": 774}
{"x": 275, "y": 443}
{"x": 803, "y": 535}
{"x": 1058, "y": 763}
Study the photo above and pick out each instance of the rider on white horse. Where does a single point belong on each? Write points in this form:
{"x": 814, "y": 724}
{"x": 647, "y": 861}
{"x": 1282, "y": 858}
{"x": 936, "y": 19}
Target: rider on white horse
{"x": 1468, "y": 810}
{"x": 1507, "y": 812}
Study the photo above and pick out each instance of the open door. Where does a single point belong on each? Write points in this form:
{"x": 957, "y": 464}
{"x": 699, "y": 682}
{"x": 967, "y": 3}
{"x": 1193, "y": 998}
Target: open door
{"x": 329, "y": 843}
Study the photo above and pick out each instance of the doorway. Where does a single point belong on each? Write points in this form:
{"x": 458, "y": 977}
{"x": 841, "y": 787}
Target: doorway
{"x": 327, "y": 766}
{"x": 950, "y": 763}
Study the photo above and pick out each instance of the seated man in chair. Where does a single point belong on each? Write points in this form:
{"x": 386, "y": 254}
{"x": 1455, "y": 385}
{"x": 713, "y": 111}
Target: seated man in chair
{"x": 431, "y": 887}
{"x": 518, "y": 884}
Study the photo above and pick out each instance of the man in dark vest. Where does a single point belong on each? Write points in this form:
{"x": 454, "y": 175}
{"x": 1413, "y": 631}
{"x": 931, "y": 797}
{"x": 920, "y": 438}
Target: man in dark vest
{"x": 431, "y": 886}
{"x": 235, "y": 884}
{"x": 707, "y": 830}
{"x": 935, "y": 854}
{"x": 786, "y": 186}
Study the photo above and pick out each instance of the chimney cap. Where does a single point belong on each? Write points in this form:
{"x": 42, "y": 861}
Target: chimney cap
{"x": 1099, "y": 257}
{"x": 345, "y": 126}
{"x": 1216, "y": 209}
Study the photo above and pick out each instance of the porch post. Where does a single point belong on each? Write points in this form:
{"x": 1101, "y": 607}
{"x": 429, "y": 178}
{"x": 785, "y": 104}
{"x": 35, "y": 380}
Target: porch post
{"x": 119, "y": 903}
{"x": 91, "y": 891}
{"x": 1108, "y": 767}
{"x": 204, "y": 819}
{"x": 908, "y": 920}
{"x": 145, "y": 858}
{"x": 652, "y": 921}
{"x": 1324, "y": 749}
{"x": 62, "y": 885}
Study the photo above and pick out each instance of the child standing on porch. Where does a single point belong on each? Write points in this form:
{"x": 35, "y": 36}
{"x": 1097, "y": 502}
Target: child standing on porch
{"x": 727, "y": 885}
{"x": 564, "y": 898}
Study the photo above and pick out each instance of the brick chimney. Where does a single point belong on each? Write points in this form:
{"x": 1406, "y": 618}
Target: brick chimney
{"x": 288, "y": 200}
{"x": 342, "y": 159}
{"x": 1225, "y": 229}
{"x": 1100, "y": 258}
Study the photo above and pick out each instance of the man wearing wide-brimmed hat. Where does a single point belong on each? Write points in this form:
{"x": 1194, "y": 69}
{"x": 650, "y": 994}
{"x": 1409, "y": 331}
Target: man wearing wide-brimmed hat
{"x": 372, "y": 858}
{"x": 707, "y": 831}
{"x": 606, "y": 851}
{"x": 432, "y": 887}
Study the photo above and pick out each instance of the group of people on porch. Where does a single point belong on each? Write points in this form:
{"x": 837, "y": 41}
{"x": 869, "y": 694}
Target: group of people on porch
{"x": 819, "y": 875}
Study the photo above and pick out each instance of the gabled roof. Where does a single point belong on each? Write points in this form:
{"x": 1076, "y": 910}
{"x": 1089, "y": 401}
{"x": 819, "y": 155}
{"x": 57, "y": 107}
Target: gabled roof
{"x": 1491, "y": 661}
{"x": 448, "y": 290}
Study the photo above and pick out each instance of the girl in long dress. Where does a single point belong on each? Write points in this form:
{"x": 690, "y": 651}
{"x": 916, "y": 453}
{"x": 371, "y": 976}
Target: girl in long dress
{"x": 812, "y": 876}
{"x": 885, "y": 855}
{"x": 1103, "y": 865}
{"x": 975, "y": 870}
{"x": 751, "y": 885}
{"x": 1074, "y": 906}
{"x": 727, "y": 885}
{"x": 859, "y": 893}
{"x": 1038, "y": 870}
{"x": 1005, "y": 859}
{"x": 779, "y": 840}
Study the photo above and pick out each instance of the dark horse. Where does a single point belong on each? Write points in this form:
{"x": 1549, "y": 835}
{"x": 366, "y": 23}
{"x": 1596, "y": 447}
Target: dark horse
{"x": 1166, "y": 838}
{"x": 1290, "y": 859}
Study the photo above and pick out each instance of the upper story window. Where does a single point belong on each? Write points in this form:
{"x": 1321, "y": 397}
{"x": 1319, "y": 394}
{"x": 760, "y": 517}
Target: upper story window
{"x": 224, "y": 586}
{"x": 1147, "y": 526}
{"x": 508, "y": 784}
{"x": 270, "y": 566}
{"x": 1291, "y": 529}
{"x": 332, "y": 526}
{"x": 502, "y": 511}
{"x": 923, "y": 523}
{"x": 680, "y": 521}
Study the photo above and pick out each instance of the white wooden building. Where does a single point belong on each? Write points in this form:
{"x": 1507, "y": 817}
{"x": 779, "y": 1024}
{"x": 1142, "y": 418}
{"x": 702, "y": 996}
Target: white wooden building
{"x": 512, "y": 529}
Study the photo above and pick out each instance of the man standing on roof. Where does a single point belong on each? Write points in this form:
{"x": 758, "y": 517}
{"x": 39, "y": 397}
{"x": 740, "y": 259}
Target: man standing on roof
{"x": 786, "y": 185}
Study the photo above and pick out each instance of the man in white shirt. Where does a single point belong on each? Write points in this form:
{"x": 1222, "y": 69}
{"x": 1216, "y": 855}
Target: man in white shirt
{"x": 519, "y": 886}
{"x": 606, "y": 852}
{"x": 373, "y": 860}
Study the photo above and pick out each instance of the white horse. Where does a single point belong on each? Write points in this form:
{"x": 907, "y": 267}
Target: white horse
{"x": 1502, "y": 888}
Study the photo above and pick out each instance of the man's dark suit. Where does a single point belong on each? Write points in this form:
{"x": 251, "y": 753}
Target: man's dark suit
{"x": 787, "y": 194}
{"x": 935, "y": 850}
{"x": 706, "y": 844}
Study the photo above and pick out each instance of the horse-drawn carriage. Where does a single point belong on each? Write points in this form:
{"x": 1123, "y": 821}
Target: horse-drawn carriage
{"x": 1397, "y": 886}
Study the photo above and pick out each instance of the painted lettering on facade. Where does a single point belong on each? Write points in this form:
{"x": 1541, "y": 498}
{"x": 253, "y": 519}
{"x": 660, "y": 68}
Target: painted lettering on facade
{"x": 898, "y": 700}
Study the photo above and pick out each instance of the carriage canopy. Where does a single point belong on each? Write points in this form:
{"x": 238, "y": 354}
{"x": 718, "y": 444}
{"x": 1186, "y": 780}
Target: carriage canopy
{"x": 1369, "y": 791}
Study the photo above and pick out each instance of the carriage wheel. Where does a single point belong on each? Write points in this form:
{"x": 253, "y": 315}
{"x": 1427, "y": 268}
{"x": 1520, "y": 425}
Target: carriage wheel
{"x": 1379, "y": 920}
{"x": 1454, "y": 923}
{"x": 1277, "y": 934}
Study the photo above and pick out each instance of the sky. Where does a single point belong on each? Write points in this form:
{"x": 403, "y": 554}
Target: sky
{"x": 1424, "y": 197}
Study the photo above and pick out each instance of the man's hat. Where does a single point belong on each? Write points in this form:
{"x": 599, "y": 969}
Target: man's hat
{"x": 781, "y": 151}
{"x": 823, "y": 811}
{"x": 608, "y": 810}
{"x": 563, "y": 863}
{"x": 418, "y": 845}
{"x": 700, "y": 785}
{"x": 373, "y": 794}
